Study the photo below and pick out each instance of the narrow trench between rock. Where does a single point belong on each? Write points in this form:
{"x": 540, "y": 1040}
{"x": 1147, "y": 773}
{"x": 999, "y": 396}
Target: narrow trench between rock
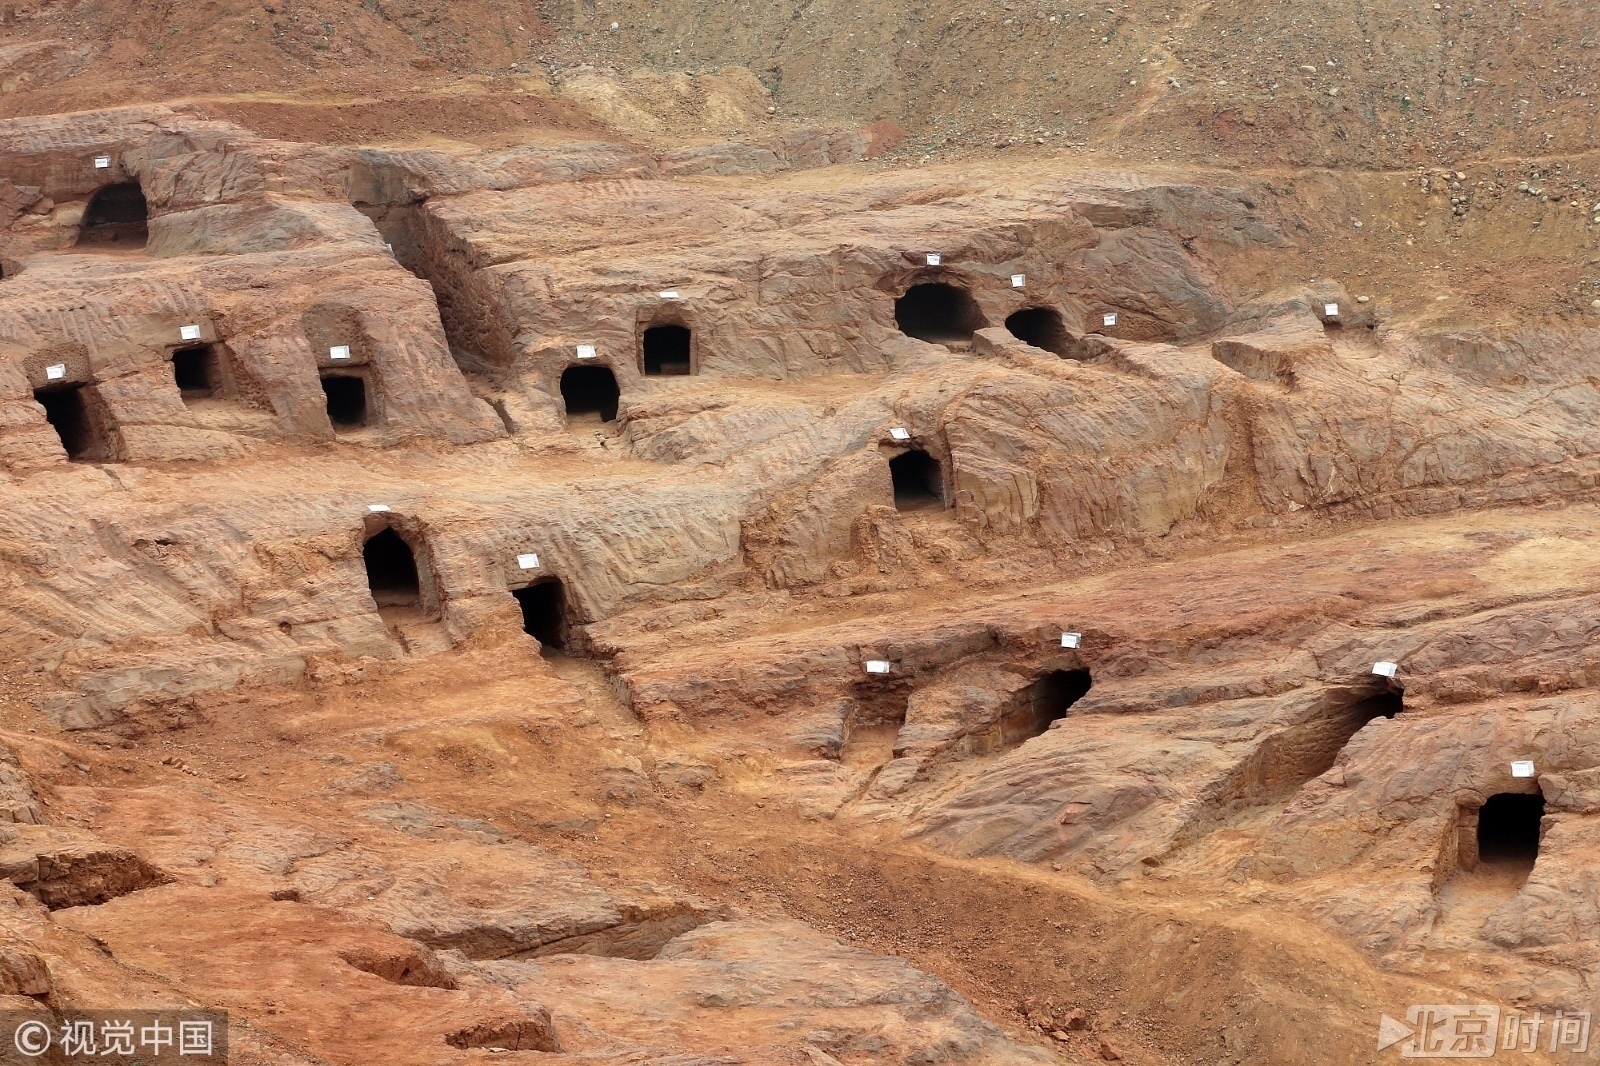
{"x": 1289, "y": 757}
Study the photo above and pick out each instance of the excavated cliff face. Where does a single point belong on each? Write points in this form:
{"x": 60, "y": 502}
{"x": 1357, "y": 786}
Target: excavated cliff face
{"x": 1193, "y": 409}
{"x": 801, "y": 473}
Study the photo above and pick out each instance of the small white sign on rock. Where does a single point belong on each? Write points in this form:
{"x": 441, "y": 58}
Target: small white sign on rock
{"x": 102, "y": 162}
{"x": 668, "y": 294}
{"x": 530, "y": 561}
{"x": 188, "y": 333}
{"x": 1385, "y": 669}
{"x": 1522, "y": 768}
{"x": 934, "y": 259}
{"x": 377, "y": 508}
{"x": 339, "y": 351}
{"x": 1019, "y": 280}
{"x": 586, "y": 351}
{"x": 1071, "y": 640}
{"x": 1108, "y": 320}
{"x": 1330, "y": 310}
{"x": 878, "y": 666}
{"x": 56, "y": 372}
{"x": 899, "y": 434}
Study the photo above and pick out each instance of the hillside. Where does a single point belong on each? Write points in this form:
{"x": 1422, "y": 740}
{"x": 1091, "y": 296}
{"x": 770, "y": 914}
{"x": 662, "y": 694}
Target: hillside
{"x": 801, "y": 534}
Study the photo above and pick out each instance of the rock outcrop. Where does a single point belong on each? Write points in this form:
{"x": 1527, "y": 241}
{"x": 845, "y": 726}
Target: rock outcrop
{"x": 406, "y": 551}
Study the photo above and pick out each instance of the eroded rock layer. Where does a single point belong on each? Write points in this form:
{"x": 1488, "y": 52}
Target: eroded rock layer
{"x": 526, "y": 587}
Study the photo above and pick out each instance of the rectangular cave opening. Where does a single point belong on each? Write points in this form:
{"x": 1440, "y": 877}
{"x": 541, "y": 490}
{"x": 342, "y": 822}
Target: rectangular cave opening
{"x": 668, "y": 351}
{"x": 1044, "y": 702}
{"x": 1508, "y": 829}
{"x": 873, "y": 725}
{"x": 1043, "y": 327}
{"x": 347, "y": 401}
{"x": 197, "y": 372}
{"x": 881, "y": 701}
{"x": 116, "y": 214}
{"x": 590, "y": 393}
{"x": 391, "y": 570}
{"x": 544, "y": 613}
{"x": 68, "y": 409}
{"x": 938, "y": 313}
{"x": 918, "y": 481}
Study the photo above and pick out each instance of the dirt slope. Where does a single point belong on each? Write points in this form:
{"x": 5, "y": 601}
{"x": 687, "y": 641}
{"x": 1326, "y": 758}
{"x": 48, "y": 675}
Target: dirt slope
{"x": 1341, "y": 83}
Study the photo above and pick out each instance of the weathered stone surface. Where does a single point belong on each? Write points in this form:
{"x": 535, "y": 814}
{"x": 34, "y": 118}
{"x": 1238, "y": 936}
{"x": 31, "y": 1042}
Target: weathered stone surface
{"x": 496, "y": 902}
{"x": 401, "y": 964}
{"x": 1274, "y": 358}
{"x": 23, "y": 972}
{"x": 1037, "y": 453}
{"x": 219, "y": 949}
{"x": 1210, "y": 477}
{"x": 17, "y": 800}
{"x": 44, "y": 962}
{"x": 726, "y": 978}
{"x": 70, "y": 868}
{"x": 1260, "y": 760}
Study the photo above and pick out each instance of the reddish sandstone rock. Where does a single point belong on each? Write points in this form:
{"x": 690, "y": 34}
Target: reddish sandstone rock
{"x": 70, "y": 868}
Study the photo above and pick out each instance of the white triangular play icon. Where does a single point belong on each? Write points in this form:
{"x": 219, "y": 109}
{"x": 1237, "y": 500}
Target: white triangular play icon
{"x": 1391, "y": 1032}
